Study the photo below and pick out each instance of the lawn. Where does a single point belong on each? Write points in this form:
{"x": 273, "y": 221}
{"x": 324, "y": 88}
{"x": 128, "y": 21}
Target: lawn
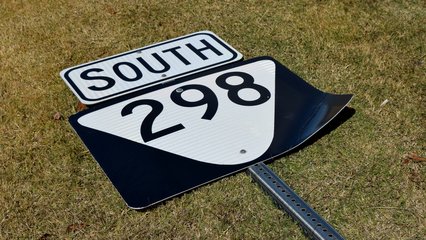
{"x": 367, "y": 177}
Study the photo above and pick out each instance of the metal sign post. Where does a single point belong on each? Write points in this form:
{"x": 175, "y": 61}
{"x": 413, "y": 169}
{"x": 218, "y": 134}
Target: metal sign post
{"x": 314, "y": 226}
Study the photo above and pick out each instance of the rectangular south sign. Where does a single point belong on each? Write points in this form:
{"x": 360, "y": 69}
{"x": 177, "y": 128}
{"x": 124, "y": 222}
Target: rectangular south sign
{"x": 120, "y": 74}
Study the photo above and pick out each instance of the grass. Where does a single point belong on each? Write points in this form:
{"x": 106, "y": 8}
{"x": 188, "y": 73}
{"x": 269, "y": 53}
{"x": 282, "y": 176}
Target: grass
{"x": 355, "y": 176}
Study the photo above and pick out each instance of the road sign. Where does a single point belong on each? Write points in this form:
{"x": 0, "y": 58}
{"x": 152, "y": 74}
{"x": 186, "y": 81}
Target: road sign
{"x": 159, "y": 142}
{"x": 120, "y": 74}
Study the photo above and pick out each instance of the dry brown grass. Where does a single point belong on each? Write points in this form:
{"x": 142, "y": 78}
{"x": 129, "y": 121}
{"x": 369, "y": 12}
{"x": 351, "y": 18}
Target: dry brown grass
{"x": 355, "y": 176}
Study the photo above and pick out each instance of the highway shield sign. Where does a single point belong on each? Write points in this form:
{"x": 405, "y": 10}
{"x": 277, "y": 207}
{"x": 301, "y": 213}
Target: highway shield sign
{"x": 159, "y": 142}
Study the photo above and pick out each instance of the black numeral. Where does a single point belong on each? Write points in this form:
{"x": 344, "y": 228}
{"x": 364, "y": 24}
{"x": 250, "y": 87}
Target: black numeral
{"x": 209, "y": 98}
{"x": 146, "y": 126}
{"x": 248, "y": 82}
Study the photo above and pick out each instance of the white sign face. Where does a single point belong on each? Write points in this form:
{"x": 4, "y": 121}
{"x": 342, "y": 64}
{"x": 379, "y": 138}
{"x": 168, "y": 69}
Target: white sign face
{"x": 130, "y": 71}
{"x": 225, "y": 118}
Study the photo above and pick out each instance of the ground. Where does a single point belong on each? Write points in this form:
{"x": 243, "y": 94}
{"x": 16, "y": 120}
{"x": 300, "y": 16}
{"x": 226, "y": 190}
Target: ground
{"x": 366, "y": 176}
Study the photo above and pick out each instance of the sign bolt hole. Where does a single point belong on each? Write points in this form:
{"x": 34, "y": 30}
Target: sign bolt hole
{"x": 243, "y": 151}
{"x": 163, "y": 75}
{"x": 179, "y": 90}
